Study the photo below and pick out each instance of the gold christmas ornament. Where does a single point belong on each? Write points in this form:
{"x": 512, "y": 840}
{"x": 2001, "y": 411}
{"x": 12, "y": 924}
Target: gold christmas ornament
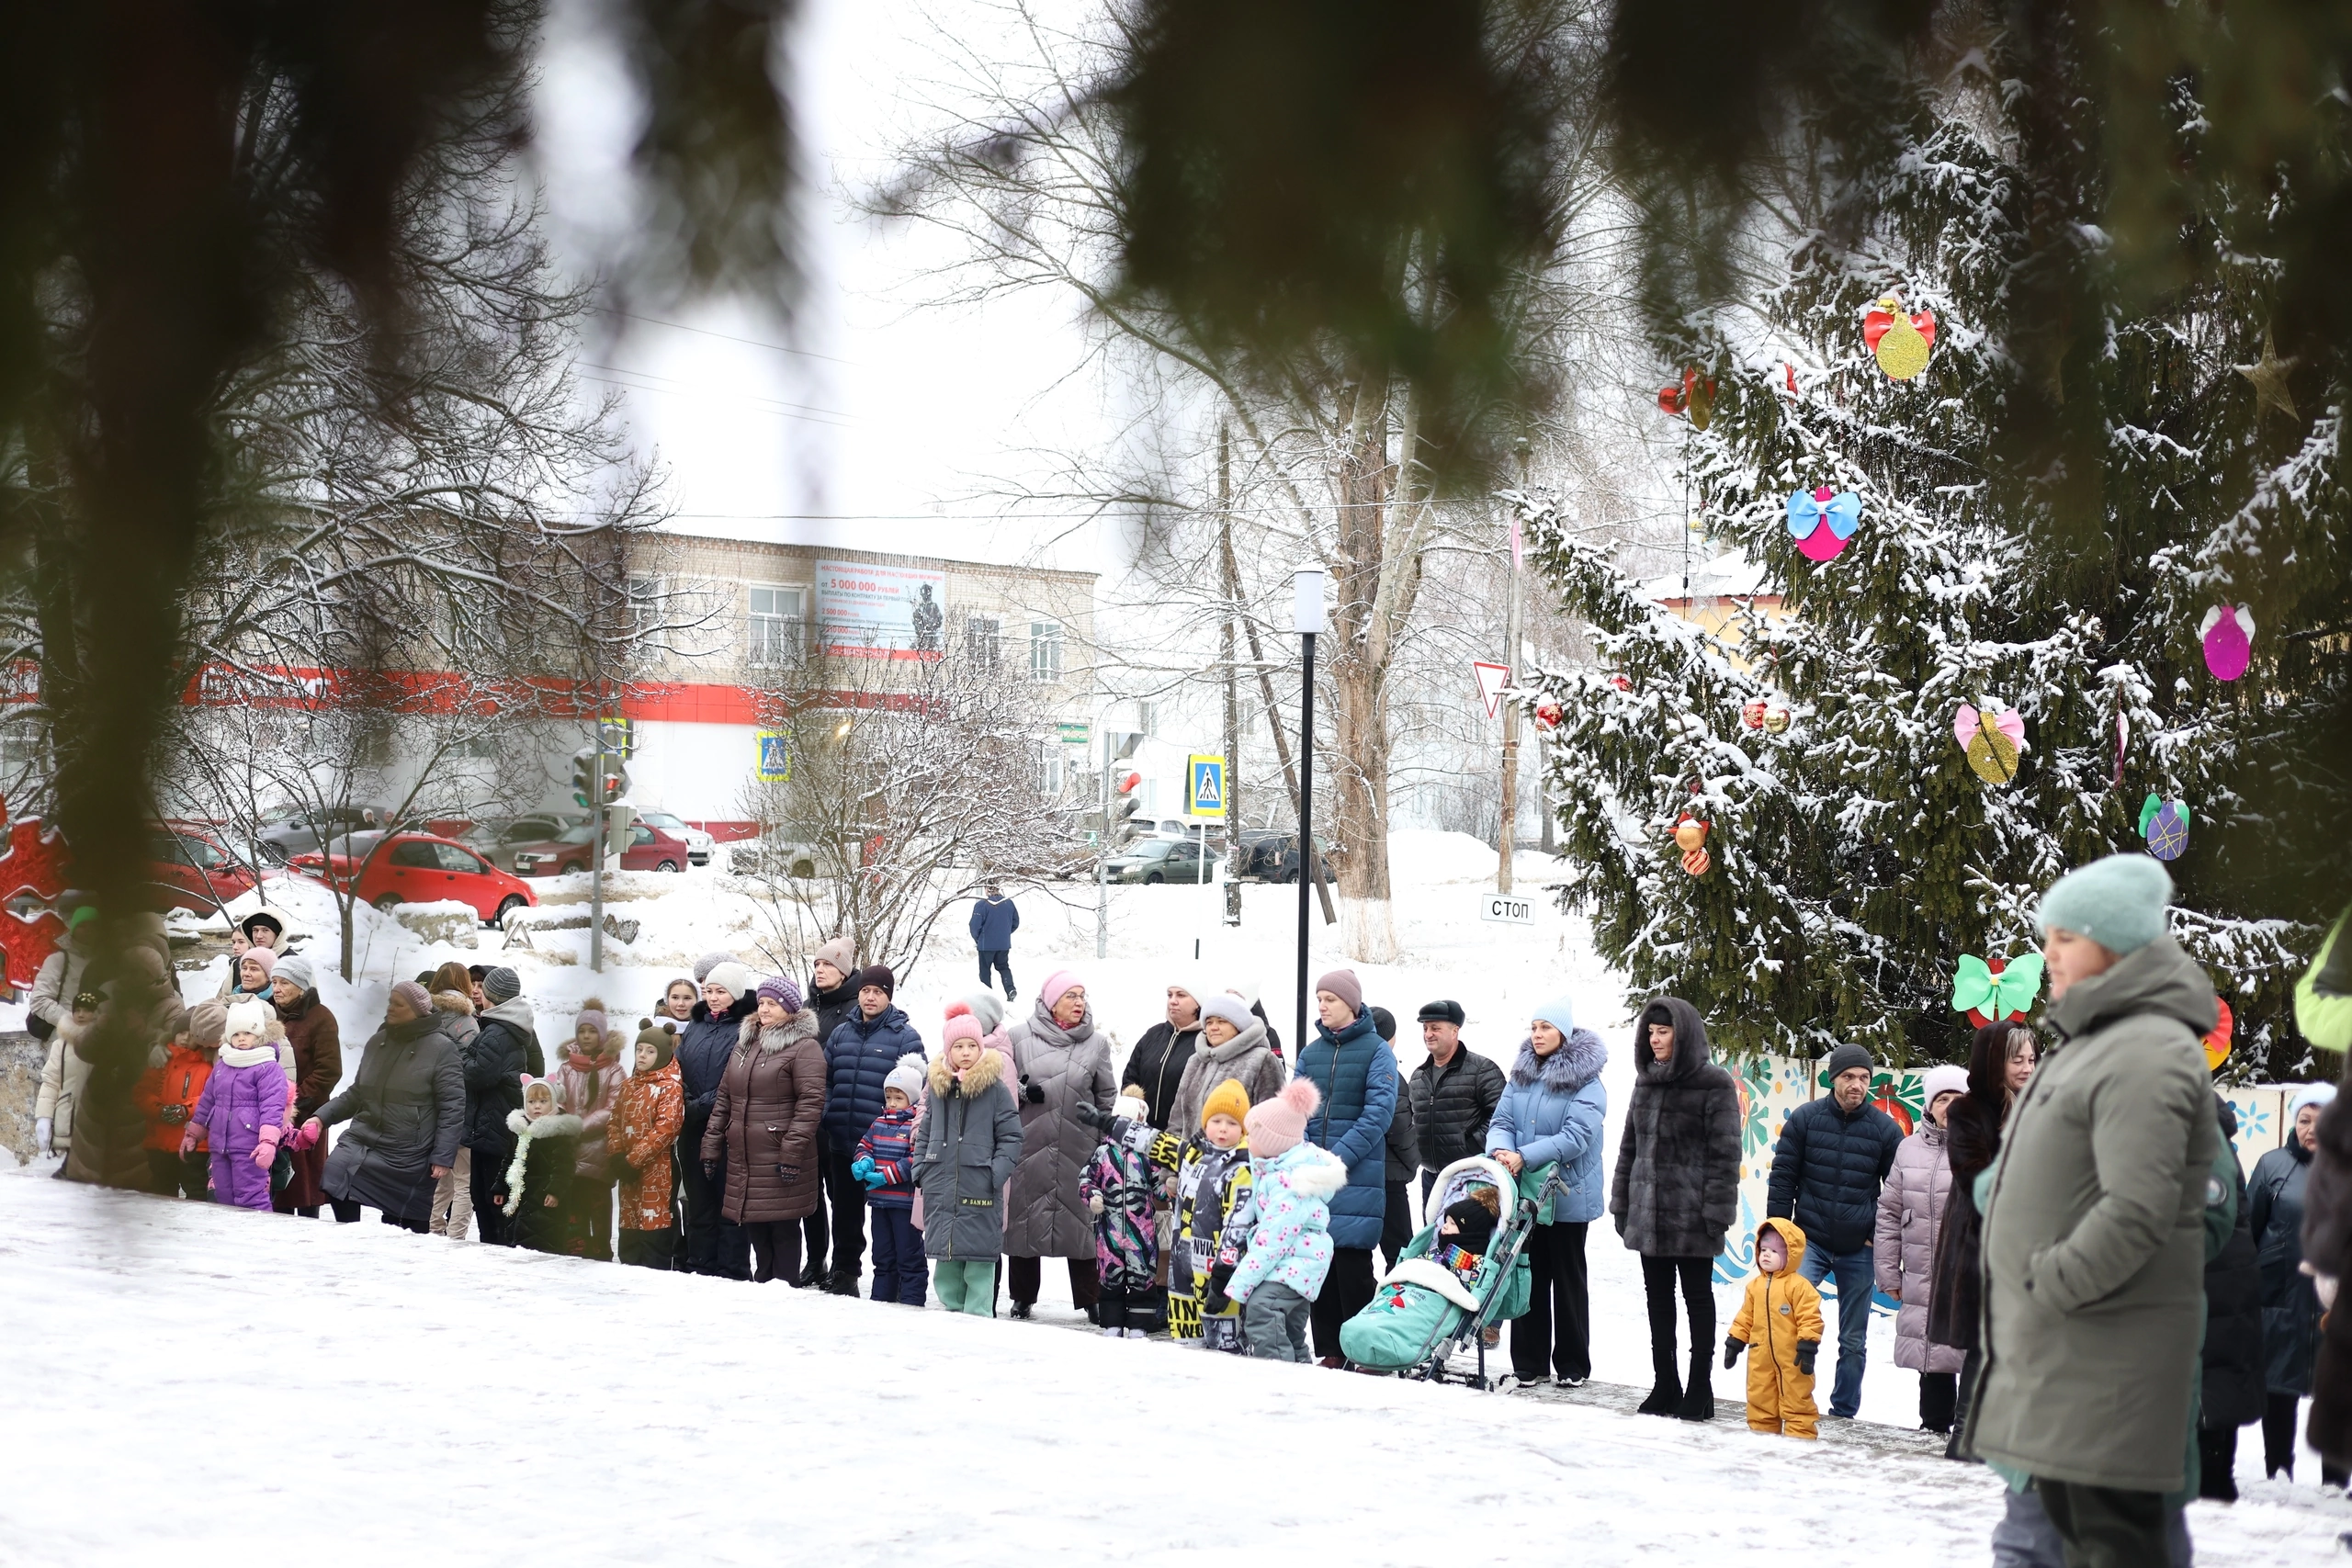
{"x": 1899, "y": 342}
{"x": 2268, "y": 375}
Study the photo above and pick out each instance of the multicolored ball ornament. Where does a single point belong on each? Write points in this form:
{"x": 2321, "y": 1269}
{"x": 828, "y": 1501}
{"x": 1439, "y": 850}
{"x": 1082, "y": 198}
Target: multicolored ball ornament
{"x": 1695, "y": 395}
{"x": 1822, "y": 520}
{"x": 2218, "y": 1042}
{"x": 1695, "y": 861}
{"x": 1900, "y": 343}
{"x": 1752, "y": 712}
{"x": 2165, "y": 824}
{"x": 1993, "y": 739}
{"x": 1989, "y": 991}
{"x": 2228, "y": 636}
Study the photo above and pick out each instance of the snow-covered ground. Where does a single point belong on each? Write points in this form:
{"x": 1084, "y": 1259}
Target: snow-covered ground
{"x": 406, "y": 1371}
{"x": 196, "y": 1385}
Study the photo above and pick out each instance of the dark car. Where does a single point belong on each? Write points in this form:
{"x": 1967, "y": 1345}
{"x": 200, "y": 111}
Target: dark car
{"x": 418, "y": 868}
{"x": 496, "y": 841}
{"x": 650, "y": 849}
{"x": 1274, "y": 857}
{"x": 191, "y": 870}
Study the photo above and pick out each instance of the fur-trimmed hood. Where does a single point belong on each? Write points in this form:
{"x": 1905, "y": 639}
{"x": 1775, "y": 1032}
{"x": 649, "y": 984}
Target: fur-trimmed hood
{"x": 555, "y": 1124}
{"x": 801, "y": 1025}
{"x": 988, "y": 1069}
{"x": 1308, "y": 1170}
{"x": 1576, "y": 1062}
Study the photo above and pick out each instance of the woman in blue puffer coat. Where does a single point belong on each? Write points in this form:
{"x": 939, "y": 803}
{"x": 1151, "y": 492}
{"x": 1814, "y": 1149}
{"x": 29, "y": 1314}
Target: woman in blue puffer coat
{"x": 1355, "y": 1075}
{"x": 1551, "y": 1113}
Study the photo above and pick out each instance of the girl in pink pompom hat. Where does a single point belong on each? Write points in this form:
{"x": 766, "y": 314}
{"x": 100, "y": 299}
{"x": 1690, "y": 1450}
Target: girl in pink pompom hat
{"x": 1288, "y": 1223}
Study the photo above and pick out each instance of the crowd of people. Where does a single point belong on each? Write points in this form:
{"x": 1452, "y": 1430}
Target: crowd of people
{"x": 2091, "y": 1295}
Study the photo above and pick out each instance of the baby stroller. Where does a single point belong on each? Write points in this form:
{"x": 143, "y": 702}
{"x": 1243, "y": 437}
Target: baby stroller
{"x": 1423, "y": 1312}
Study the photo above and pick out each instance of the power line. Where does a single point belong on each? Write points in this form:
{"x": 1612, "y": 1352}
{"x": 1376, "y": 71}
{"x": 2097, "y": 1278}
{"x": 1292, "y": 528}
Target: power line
{"x": 749, "y": 397}
{"x": 730, "y": 337}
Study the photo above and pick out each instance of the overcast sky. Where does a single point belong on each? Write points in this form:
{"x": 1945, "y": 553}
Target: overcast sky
{"x": 872, "y": 421}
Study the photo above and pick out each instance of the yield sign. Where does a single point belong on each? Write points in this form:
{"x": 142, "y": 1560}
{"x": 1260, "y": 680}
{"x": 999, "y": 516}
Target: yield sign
{"x": 1492, "y": 678}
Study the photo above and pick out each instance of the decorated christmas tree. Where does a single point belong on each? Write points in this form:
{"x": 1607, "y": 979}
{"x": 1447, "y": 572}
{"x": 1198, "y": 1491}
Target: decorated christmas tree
{"x": 1962, "y": 690}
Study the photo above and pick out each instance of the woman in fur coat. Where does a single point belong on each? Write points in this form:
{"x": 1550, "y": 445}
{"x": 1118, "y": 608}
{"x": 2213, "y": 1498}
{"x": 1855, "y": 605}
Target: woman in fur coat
{"x": 968, "y": 1143}
{"x": 1551, "y": 1113}
{"x": 1676, "y": 1193}
{"x": 762, "y": 1128}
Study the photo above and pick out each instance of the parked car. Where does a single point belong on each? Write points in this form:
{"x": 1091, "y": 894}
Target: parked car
{"x": 776, "y": 854}
{"x": 1274, "y": 857}
{"x": 699, "y": 844}
{"x": 418, "y": 868}
{"x": 300, "y": 832}
{"x": 1160, "y": 860}
{"x": 648, "y": 849}
{"x": 496, "y": 841}
{"x": 191, "y": 870}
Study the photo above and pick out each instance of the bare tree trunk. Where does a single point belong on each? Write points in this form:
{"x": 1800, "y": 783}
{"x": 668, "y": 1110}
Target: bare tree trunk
{"x": 1358, "y": 706}
{"x": 1233, "y": 857}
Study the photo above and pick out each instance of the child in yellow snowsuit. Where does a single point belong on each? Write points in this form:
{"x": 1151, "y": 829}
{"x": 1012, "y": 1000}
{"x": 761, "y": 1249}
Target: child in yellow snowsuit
{"x": 1781, "y": 1315}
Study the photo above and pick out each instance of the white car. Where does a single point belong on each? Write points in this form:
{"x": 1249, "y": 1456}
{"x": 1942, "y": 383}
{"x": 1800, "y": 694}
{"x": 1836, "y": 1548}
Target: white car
{"x": 699, "y": 844}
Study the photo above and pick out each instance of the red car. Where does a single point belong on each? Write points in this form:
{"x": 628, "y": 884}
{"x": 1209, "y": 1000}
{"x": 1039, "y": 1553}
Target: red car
{"x": 650, "y": 849}
{"x": 190, "y": 870}
{"x": 419, "y": 868}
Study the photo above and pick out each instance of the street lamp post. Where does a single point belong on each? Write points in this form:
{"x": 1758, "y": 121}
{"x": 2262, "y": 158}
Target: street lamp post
{"x": 1307, "y": 619}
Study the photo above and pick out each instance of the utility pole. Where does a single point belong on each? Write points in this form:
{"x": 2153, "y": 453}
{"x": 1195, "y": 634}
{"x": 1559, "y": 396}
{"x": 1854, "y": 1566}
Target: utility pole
{"x": 1232, "y": 681}
{"x": 599, "y": 832}
{"x": 1505, "y": 842}
{"x": 1103, "y": 849}
{"x": 1306, "y": 614}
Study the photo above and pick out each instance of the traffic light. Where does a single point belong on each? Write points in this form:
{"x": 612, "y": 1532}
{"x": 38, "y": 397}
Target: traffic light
{"x": 619, "y": 823}
{"x": 1124, "y": 826}
{"x": 584, "y": 778}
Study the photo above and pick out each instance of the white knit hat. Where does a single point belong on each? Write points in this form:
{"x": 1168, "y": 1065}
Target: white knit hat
{"x": 249, "y": 1017}
{"x": 907, "y": 1077}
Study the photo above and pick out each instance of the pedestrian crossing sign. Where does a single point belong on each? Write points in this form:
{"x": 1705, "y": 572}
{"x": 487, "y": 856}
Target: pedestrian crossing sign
{"x": 775, "y": 758}
{"x": 1205, "y": 794}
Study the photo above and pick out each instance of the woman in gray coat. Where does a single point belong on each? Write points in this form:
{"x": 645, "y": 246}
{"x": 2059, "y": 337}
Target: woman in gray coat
{"x": 2290, "y": 1308}
{"x": 1910, "y": 1222}
{"x": 407, "y": 1109}
{"x": 1060, "y": 1060}
{"x": 969, "y": 1138}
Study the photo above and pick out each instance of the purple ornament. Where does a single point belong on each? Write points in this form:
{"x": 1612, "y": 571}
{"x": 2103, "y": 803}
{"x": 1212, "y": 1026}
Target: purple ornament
{"x": 2229, "y": 635}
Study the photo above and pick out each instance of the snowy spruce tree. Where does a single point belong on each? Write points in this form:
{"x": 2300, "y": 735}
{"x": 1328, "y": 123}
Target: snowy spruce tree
{"x": 1854, "y": 855}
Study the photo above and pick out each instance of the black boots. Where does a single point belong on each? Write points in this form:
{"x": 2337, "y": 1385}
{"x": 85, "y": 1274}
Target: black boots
{"x": 1666, "y": 1397}
{"x": 1699, "y": 1391}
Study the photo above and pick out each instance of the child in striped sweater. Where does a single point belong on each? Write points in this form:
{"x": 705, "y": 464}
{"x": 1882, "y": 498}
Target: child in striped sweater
{"x": 886, "y": 1163}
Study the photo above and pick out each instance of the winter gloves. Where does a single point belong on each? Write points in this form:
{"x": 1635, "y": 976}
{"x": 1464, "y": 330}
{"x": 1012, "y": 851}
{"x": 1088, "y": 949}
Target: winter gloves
{"x": 1733, "y": 1346}
{"x": 172, "y": 1115}
{"x": 1807, "y": 1350}
{"x": 710, "y": 1171}
{"x": 1034, "y": 1093}
{"x": 1094, "y": 1115}
{"x": 310, "y": 1134}
{"x": 1217, "y": 1303}
{"x": 1094, "y": 1205}
{"x": 865, "y": 1170}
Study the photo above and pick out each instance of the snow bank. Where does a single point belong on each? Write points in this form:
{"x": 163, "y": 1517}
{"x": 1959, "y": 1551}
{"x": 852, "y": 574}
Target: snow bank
{"x": 390, "y": 1399}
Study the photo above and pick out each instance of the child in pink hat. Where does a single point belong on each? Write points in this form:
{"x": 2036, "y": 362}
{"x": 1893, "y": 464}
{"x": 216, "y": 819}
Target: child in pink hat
{"x": 1287, "y": 1221}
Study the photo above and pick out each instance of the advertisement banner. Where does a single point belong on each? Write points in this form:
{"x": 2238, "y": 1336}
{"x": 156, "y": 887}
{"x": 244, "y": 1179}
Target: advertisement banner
{"x": 865, "y": 610}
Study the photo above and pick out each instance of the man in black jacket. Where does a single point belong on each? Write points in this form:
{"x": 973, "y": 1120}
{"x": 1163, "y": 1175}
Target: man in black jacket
{"x": 1833, "y": 1155}
{"x": 1453, "y": 1094}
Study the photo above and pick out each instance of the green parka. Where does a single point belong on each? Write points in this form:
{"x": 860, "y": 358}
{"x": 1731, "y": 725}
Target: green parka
{"x": 2094, "y": 1251}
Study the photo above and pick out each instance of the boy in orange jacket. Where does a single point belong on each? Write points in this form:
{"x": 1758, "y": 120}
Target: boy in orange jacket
{"x": 1781, "y": 1315}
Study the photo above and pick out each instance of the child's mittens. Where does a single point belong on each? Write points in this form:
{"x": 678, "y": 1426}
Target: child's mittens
{"x": 1807, "y": 1350}
{"x": 865, "y": 1170}
{"x": 308, "y": 1134}
{"x": 266, "y": 1151}
{"x": 1733, "y": 1346}
{"x": 1091, "y": 1114}
{"x": 188, "y": 1140}
{"x": 1217, "y": 1303}
{"x": 1094, "y": 1205}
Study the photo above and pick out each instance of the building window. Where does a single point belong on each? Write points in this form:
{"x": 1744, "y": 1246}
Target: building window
{"x": 1045, "y": 651}
{"x": 1049, "y": 768}
{"x": 774, "y": 629}
{"x": 644, "y": 601}
{"x": 982, "y": 637}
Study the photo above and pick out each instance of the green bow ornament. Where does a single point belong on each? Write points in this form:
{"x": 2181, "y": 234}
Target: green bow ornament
{"x": 1976, "y": 988}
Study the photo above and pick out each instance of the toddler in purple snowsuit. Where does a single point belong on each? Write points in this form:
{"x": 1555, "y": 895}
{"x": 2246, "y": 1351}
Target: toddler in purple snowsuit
{"x": 243, "y": 1110}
